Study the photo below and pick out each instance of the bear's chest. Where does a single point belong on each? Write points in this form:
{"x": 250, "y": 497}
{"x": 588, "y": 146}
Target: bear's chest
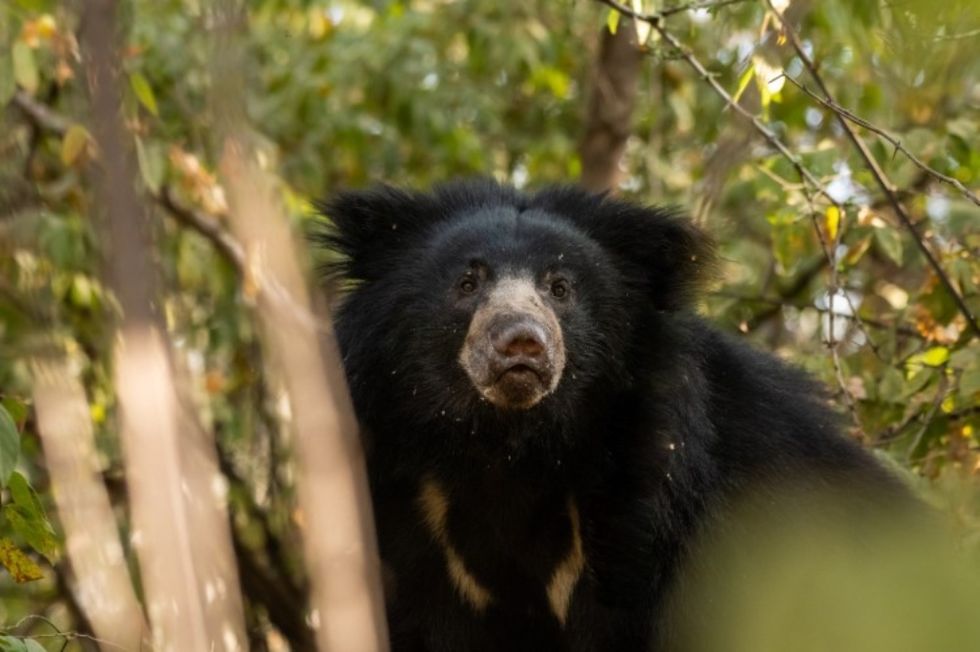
{"x": 505, "y": 552}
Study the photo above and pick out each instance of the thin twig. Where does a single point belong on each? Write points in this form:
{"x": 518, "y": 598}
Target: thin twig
{"x": 777, "y": 303}
{"x": 895, "y": 142}
{"x": 655, "y": 21}
{"x": 882, "y": 180}
{"x": 956, "y": 37}
{"x": 694, "y": 6}
{"x": 930, "y": 417}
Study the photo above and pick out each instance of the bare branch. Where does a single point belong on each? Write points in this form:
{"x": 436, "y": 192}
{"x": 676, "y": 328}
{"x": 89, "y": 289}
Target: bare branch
{"x": 207, "y": 226}
{"x": 40, "y": 114}
{"x": 882, "y": 180}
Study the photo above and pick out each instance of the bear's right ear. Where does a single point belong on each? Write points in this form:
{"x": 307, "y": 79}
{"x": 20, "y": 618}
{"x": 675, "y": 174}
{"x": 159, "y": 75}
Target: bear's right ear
{"x": 368, "y": 227}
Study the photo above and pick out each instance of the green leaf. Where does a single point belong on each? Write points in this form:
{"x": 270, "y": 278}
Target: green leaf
{"x": 144, "y": 93}
{"x": 33, "y": 646}
{"x": 21, "y": 567}
{"x": 8, "y": 85}
{"x": 9, "y": 446}
{"x": 25, "y": 67}
{"x": 12, "y": 644}
{"x": 26, "y": 516}
{"x": 890, "y": 243}
{"x": 73, "y": 144}
{"x": 970, "y": 384}
{"x": 152, "y": 163}
{"x": 16, "y": 408}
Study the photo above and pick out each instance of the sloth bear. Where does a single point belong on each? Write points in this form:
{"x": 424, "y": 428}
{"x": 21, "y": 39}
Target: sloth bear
{"x": 549, "y": 427}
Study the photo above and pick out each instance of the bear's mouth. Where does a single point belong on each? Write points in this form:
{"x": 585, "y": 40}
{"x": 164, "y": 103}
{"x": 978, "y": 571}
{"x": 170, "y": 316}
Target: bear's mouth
{"x": 521, "y": 373}
{"x": 518, "y": 386}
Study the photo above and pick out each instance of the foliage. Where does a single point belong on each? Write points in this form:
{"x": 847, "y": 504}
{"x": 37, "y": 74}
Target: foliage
{"x": 346, "y": 93}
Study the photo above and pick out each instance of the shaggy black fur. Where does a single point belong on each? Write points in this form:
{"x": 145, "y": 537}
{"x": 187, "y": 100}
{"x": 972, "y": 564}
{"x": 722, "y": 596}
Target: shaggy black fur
{"x": 657, "y": 423}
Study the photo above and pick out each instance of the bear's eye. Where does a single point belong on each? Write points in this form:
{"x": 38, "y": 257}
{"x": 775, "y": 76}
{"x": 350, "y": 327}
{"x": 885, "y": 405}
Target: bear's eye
{"x": 468, "y": 285}
{"x": 560, "y": 288}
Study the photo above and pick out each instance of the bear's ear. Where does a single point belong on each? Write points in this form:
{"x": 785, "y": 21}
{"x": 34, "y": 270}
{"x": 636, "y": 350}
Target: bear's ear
{"x": 368, "y": 228}
{"x": 658, "y": 250}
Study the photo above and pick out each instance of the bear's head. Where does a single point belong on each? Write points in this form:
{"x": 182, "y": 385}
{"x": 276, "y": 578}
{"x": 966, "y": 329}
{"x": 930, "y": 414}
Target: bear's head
{"x": 478, "y": 299}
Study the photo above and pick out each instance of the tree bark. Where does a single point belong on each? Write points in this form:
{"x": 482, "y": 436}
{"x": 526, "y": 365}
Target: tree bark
{"x": 610, "y": 110}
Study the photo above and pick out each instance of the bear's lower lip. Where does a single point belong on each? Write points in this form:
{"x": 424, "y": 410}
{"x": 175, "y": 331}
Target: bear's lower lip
{"x": 521, "y": 373}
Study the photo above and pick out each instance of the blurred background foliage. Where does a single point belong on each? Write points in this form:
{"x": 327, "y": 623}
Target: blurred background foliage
{"x": 345, "y": 93}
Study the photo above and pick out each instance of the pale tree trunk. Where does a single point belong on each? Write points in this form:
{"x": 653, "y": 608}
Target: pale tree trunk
{"x": 338, "y": 528}
{"x": 176, "y": 494}
{"x": 100, "y": 578}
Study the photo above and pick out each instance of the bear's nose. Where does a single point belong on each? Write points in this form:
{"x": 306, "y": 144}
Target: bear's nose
{"x": 521, "y": 339}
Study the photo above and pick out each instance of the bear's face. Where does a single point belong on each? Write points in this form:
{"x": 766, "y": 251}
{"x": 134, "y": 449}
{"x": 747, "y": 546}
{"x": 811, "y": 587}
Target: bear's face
{"x": 522, "y": 286}
{"x": 481, "y": 306}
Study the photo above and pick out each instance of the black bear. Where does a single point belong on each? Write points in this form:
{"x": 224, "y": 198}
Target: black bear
{"x": 549, "y": 427}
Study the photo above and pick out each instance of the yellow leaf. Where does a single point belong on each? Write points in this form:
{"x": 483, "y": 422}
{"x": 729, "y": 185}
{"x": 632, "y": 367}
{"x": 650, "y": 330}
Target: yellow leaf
{"x": 832, "y": 221}
{"x": 612, "y": 21}
{"x": 21, "y": 567}
{"x": 743, "y": 81}
{"x": 948, "y": 404}
{"x": 144, "y": 92}
{"x": 934, "y": 357}
{"x": 73, "y": 144}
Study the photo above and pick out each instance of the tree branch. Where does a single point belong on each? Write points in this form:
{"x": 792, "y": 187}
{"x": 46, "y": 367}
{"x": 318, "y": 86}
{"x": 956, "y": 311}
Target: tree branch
{"x": 656, "y": 21}
{"x": 882, "y": 180}
{"x": 207, "y": 226}
{"x": 40, "y": 114}
{"x": 895, "y": 142}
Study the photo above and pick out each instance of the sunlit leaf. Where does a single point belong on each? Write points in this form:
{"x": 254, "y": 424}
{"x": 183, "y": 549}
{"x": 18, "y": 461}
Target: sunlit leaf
{"x": 9, "y": 446}
{"x": 25, "y": 67}
{"x": 744, "y": 80}
{"x": 612, "y": 21}
{"x": 832, "y": 221}
{"x": 643, "y": 28}
{"x": 934, "y": 357}
{"x": 144, "y": 92}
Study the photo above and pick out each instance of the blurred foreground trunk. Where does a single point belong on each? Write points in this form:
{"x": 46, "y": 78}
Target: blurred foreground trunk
{"x": 100, "y": 578}
{"x": 176, "y": 495}
{"x": 339, "y": 538}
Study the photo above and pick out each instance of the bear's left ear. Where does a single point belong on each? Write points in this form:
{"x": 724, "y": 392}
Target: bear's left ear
{"x": 369, "y": 227}
{"x": 658, "y": 250}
